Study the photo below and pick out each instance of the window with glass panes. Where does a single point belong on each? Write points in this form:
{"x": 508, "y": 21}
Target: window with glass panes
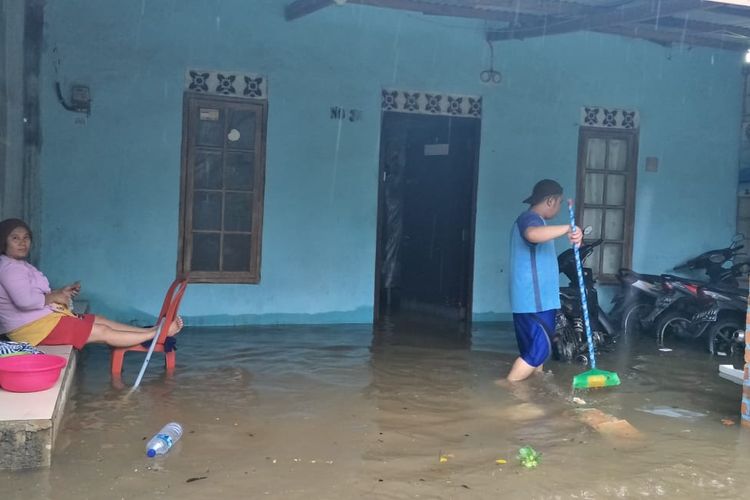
{"x": 607, "y": 162}
{"x": 223, "y": 170}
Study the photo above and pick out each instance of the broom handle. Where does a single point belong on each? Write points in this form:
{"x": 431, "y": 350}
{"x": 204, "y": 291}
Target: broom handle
{"x": 154, "y": 341}
{"x": 582, "y": 289}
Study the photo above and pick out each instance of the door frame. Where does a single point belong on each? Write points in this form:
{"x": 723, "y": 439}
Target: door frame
{"x": 380, "y": 222}
{"x": 632, "y": 136}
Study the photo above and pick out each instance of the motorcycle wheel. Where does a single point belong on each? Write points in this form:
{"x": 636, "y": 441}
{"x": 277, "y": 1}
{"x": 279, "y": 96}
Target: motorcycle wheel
{"x": 565, "y": 345}
{"x": 671, "y": 325}
{"x": 724, "y": 339}
{"x": 632, "y": 319}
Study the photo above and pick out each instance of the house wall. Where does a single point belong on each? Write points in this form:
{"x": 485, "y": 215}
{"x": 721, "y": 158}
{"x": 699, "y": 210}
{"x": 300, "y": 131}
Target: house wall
{"x": 20, "y": 51}
{"x": 11, "y": 109}
{"x": 110, "y": 182}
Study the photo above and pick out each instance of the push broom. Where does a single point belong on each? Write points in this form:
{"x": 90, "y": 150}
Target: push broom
{"x": 594, "y": 377}
{"x": 162, "y": 325}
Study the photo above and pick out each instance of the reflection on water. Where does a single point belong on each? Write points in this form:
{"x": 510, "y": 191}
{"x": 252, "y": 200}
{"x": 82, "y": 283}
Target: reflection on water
{"x": 342, "y": 412}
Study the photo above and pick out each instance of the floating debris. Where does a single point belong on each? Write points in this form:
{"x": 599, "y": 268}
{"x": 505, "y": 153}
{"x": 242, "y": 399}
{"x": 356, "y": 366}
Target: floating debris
{"x": 672, "y": 412}
{"x": 529, "y": 457}
{"x": 501, "y": 461}
{"x": 190, "y": 480}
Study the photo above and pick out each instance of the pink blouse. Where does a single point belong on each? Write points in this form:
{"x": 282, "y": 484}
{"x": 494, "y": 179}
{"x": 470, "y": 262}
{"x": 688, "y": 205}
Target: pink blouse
{"x": 22, "y": 290}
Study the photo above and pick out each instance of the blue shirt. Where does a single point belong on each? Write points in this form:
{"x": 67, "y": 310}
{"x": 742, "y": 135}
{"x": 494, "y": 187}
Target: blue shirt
{"x": 534, "y": 275}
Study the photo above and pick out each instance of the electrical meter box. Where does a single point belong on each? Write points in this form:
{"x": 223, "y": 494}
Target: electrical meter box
{"x": 80, "y": 99}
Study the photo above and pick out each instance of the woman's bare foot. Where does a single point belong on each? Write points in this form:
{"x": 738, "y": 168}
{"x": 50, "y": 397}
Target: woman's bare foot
{"x": 175, "y": 327}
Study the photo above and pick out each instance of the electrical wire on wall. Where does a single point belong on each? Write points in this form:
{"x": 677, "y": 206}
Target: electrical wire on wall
{"x": 81, "y": 102}
{"x": 58, "y": 90}
{"x": 491, "y": 75}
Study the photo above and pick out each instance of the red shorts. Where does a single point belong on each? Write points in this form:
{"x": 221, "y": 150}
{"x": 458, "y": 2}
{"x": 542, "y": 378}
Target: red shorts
{"x": 71, "y": 330}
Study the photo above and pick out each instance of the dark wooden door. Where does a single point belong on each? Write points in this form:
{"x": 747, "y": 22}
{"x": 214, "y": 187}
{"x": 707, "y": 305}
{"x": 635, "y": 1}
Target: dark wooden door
{"x": 437, "y": 158}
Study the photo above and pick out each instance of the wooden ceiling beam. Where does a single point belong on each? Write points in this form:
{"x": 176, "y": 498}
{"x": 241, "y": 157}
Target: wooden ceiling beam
{"x": 301, "y": 8}
{"x": 473, "y": 9}
{"x": 732, "y": 10}
{"x": 435, "y": 9}
{"x": 698, "y": 27}
{"x": 629, "y": 13}
{"x": 639, "y": 20}
{"x": 534, "y": 7}
{"x": 664, "y": 37}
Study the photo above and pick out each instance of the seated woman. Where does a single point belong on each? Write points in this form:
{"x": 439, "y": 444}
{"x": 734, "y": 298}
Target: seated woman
{"x": 31, "y": 312}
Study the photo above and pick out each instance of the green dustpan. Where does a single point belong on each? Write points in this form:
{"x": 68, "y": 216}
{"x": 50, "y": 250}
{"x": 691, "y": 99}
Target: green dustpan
{"x": 595, "y": 378}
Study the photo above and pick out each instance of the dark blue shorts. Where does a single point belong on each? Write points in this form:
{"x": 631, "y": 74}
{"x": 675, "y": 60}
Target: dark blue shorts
{"x": 534, "y": 333}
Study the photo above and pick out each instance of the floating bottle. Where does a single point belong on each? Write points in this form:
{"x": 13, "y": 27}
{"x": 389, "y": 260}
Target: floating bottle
{"x": 162, "y": 442}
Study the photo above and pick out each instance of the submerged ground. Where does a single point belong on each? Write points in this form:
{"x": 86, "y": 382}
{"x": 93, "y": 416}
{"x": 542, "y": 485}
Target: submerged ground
{"x": 342, "y": 412}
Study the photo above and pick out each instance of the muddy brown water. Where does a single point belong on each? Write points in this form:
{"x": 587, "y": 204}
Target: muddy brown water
{"x": 337, "y": 412}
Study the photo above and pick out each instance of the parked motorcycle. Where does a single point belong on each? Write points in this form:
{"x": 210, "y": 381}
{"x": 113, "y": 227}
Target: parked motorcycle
{"x": 713, "y": 262}
{"x": 570, "y": 343}
{"x": 688, "y": 308}
{"x": 725, "y": 314}
{"x": 642, "y": 298}
{"x": 635, "y": 300}
{"x": 675, "y": 309}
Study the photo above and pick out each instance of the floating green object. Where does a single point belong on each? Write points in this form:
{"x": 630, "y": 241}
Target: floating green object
{"x": 595, "y": 378}
{"x": 529, "y": 457}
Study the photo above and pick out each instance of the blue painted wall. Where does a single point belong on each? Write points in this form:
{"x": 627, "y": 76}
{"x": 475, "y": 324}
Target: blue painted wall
{"x": 110, "y": 187}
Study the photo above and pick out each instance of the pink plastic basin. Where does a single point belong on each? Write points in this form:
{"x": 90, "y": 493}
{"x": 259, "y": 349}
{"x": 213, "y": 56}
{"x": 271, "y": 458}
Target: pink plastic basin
{"x": 30, "y": 372}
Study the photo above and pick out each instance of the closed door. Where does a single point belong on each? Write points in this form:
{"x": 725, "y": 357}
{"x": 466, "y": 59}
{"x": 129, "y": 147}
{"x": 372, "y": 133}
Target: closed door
{"x": 607, "y": 162}
{"x": 427, "y": 211}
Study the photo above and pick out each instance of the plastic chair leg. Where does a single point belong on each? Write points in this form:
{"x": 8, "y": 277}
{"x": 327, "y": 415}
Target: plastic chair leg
{"x": 117, "y": 358}
{"x": 169, "y": 361}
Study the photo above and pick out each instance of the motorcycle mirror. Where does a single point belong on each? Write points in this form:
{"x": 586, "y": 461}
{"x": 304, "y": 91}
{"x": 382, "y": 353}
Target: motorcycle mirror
{"x": 716, "y": 258}
{"x": 588, "y": 230}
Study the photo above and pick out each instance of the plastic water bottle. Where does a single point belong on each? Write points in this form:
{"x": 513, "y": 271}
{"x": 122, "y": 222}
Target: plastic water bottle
{"x": 162, "y": 442}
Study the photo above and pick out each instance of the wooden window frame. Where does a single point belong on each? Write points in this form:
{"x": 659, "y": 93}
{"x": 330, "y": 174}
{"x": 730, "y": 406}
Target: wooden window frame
{"x": 631, "y": 172}
{"x": 186, "y": 195}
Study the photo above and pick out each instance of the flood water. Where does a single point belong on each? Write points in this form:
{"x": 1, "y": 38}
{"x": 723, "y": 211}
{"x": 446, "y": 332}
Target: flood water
{"x": 335, "y": 412}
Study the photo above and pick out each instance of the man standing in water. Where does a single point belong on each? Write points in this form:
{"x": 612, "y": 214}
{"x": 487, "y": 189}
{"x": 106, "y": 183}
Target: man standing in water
{"x": 534, "y": 277}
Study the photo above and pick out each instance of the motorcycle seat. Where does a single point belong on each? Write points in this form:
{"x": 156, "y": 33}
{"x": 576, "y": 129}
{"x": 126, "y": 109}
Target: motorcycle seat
{"x": 683, "y": 279}
{"x": 625, "y": 273}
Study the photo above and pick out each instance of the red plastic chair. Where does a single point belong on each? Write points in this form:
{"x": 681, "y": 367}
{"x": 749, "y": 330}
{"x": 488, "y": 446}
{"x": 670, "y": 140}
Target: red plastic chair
{"x": 167, "y": 315}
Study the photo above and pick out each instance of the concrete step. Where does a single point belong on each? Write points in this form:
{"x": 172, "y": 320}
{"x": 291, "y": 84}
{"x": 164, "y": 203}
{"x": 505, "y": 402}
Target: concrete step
{"x": 29, "y": 422}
